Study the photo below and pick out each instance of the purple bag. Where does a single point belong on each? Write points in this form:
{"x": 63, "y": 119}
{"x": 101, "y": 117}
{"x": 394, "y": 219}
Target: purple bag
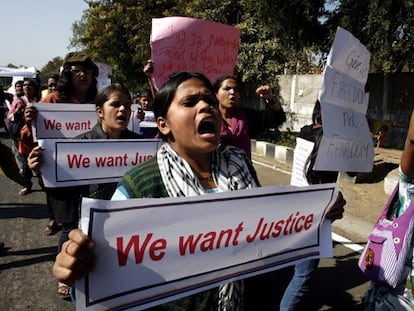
{"x": 388, "y": 245}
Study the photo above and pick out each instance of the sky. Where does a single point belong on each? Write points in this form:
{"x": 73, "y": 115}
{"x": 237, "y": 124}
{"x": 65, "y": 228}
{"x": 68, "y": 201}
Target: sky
{"x": 33, "y": 32}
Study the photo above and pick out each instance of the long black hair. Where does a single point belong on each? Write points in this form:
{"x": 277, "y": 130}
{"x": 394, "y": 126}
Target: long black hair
{"x": 104, "y": 94}
{"x": 165, "y": 95}
{"x": 217, "y": 84}
{"x": 65, "y": 87}
{"x": 313, "y": 176}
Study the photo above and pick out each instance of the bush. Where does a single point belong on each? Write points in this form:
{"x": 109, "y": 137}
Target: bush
{"x": 282, "y": 138}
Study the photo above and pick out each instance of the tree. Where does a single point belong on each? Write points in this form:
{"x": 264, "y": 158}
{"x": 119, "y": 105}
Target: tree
{"x": 275, "y": 35}
{"x": 117, "y": 33}
{"x": 51, "y": 67}
{"x": 386, "y": 27}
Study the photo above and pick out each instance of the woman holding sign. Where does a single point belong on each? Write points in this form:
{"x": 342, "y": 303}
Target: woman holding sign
{"x": 300, "y": 284}
{"x": 190, "y": 163}
{"x": 77, "y": 84}
{"x": 113, "y": 107}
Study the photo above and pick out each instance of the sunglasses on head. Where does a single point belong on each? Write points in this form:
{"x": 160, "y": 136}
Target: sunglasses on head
{"x": 77, "y": 70}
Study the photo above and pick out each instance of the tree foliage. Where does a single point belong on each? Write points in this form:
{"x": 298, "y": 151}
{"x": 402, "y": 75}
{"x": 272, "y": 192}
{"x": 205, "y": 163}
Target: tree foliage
{"x": 52, "y": 67}
{"x": 277, "y": 36}
{"x": 386, "y": 27}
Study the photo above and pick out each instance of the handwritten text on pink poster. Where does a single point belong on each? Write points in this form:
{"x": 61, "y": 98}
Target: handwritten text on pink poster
{"x": 182, "y": 43}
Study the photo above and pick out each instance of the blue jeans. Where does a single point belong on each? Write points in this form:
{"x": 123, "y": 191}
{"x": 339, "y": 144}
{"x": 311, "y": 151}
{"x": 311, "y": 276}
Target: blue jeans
{"x": 299, "y": 285}
{"x": 64, "y": 235}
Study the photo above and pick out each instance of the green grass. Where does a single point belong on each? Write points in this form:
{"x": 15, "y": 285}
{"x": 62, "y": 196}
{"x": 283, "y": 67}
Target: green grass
{"x": 282, "y": 138}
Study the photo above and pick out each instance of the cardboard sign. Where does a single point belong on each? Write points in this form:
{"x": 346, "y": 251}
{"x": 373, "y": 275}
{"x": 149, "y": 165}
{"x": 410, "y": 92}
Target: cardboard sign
{"x": 151, "y": 251}
{"x": 183, "y": 43}
{"x": 346, "y": 144}
{"x": 55, "y": 121}
{"x": 73, "y": 162}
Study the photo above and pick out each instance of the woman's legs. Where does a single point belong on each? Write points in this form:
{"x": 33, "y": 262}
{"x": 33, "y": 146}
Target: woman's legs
{"x": 299, "y": 285}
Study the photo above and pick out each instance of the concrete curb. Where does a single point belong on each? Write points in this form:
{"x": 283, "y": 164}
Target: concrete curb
{"x": 285, "y": 154}
{"x": 354, "y": 228}
{"x": 272, "y": 151}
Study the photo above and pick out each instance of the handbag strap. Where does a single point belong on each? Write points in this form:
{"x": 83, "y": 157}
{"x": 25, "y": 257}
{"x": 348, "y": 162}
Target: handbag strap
{"x": 404, "y": 219}
{"x": 390, "y": 202}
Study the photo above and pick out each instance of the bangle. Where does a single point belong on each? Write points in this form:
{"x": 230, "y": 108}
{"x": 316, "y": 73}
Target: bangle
{"x": 271, "y": 101}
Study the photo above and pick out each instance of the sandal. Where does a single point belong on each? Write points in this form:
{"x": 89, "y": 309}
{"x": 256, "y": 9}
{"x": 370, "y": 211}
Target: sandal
{"x": 51, "y": 228}
{"x": 25, "y": 191}
{"x": 63, "y": 290}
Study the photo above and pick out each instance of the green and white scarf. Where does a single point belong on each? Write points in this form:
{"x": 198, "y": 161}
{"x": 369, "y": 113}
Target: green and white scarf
{"x": 230, "y": 170}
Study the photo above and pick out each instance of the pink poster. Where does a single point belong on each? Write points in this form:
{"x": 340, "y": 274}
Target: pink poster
{"x": 182, "y": 43}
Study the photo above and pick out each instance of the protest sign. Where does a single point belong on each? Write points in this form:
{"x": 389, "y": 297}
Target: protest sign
{"x": 302, "y": 152}
{"x": 61, "y": 120}
{"x": 183, "y": 43}
{"x": 72, "y": 162}
{"x": 104, "y": 77}
{"x": 150, "y": 251}
{"x": 346, "y": 144}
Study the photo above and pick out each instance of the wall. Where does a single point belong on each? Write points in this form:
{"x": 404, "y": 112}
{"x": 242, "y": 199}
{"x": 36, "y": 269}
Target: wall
{"x": 391, "y": 98}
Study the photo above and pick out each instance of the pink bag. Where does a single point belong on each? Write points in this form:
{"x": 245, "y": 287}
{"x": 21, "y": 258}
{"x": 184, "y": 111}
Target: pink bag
{"x": 388, "y": 245}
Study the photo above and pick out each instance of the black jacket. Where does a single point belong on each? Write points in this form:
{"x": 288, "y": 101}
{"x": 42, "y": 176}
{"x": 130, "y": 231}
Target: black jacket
{"x": 310, "y": 133}
{"x": 65, "y": 201}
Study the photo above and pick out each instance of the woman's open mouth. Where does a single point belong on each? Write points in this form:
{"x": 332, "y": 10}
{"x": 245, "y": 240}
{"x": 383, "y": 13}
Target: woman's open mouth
{"x": 121, "y": 118}
{"x": 207, "y": 127}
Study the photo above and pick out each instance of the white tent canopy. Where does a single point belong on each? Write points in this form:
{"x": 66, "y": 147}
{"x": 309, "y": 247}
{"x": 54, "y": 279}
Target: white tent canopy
{"x": 29, "y": 72}
{"x": 17, "y": 74}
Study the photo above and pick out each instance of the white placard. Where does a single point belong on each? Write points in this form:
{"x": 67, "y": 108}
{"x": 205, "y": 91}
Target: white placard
{"x": 150, "y": 251}
{"x": 54, "y": 121}
{"x": 303, "y": 149}
{"x": 346, "y": 143}
{"x": 72, "y": 162}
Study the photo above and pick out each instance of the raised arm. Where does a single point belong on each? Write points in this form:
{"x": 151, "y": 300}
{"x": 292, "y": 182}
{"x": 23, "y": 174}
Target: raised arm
{"x": 266, "y": 92}
{"x": 148, "y": 70}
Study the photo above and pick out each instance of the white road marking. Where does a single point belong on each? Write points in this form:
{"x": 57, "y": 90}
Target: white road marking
{"x": 336, "y": 237}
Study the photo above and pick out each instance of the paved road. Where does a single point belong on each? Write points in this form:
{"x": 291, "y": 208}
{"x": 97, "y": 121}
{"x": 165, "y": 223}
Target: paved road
{"x": 27, "y": 284}
{"x": 338, "y": 283}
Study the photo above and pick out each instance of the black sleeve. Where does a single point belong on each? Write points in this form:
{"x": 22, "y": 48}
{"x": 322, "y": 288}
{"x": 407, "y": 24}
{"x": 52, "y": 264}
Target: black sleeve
{"x": 259, "y": 121}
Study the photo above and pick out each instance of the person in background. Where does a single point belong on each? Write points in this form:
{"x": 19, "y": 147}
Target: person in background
{"x": 5, "y": 103}
{"x": 25, "y": 145}
{"x": 113, "y": 107}
{"x": 15, "y": 121}
{"x": 144, "y": 99}
{"x": 148, "y": 125}
{"x": 18, "y": 88}
{"x": 242, "y": 124}
{"x": 8, "y": 100}
{"x": 31, "y": 91}
{"x": 77, "y": 84}
{"x": 189, "y": 122}
{"x": 52, "y": 81}
{"x": 300, "y": 284}
{"x": 401, "y": 297}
